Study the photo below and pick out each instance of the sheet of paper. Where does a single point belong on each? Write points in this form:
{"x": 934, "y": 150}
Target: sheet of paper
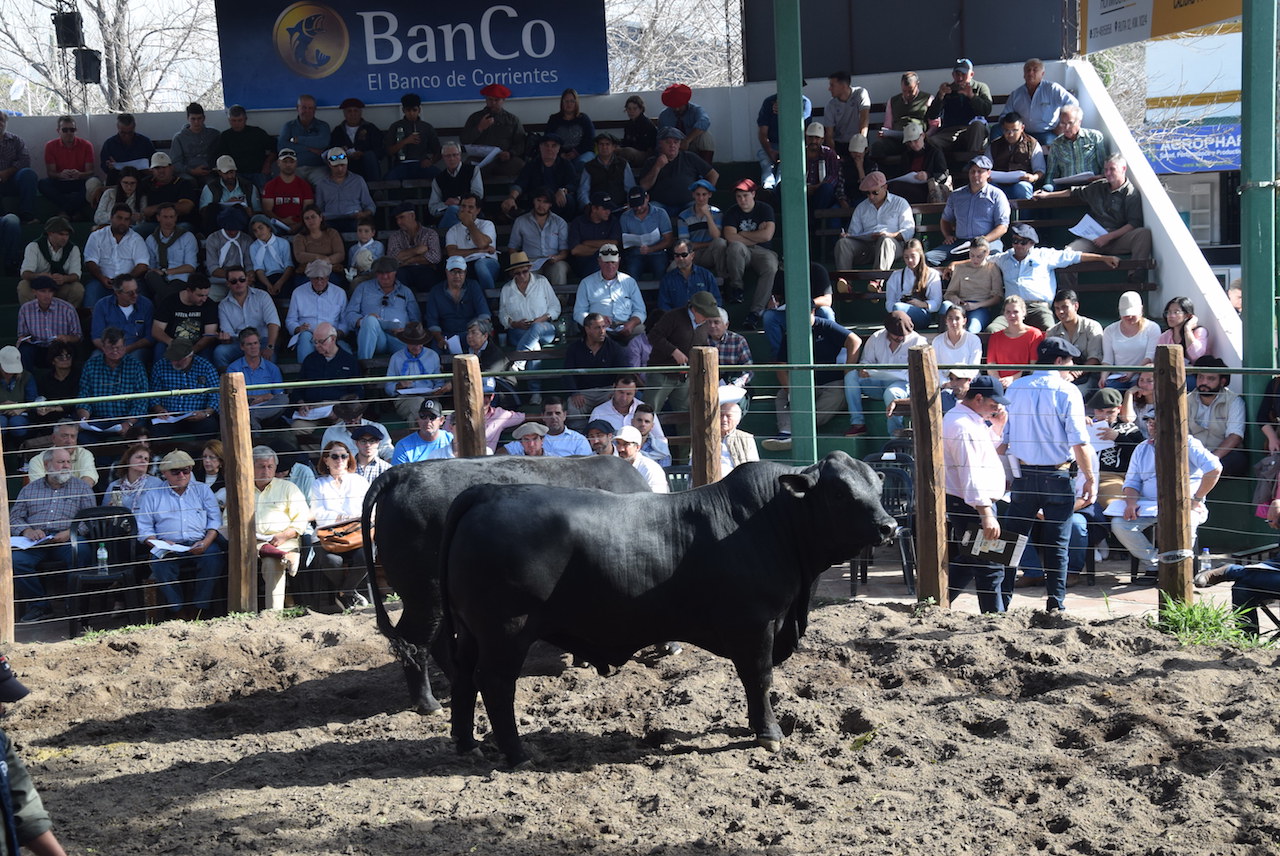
{"x": 293, "y": 340}
{"x": 160, "y": 548}
{"x": 18, "y": 542}
{"x": 86, "y": 425}
{"x": 315, "y": 414}
{"x": 909, "y": 178}
{"x": 416, "y": 389}
{"x": 1088, "y": 228}
{"x": 1002, "y": 176}
{"x": 1100, "y": 444}
{"x": 538, "y": 263}
{"x": 634, "y": 240}
{"x": 136, "y": 163}
{"x": 891, "y": 133}
{"x": 455, "y": 345}
{"x": 169, "y": 418}
{"x": 1115, "y": 508}
{"x": 1071, "y": 180}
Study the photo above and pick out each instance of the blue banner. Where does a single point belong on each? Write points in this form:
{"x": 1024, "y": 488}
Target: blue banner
{"x": 274, "y": 51}
{"x": 1195, "y": 148}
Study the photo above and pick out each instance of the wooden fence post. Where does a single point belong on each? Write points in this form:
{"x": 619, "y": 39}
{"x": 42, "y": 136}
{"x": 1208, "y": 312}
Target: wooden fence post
{"x": 704, "y": 415}
{"x": 931, "y": 516}
{"x": 1173, "y": 489}
{"x": 468, "y": 406}
{"x": 242, "y": 546}
{"x": 7, "y": 616}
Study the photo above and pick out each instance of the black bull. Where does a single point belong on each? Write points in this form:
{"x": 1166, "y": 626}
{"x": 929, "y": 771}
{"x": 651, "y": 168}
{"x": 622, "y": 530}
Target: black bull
{"x": 728, "y": 567}
{"x": 412, "y": 501}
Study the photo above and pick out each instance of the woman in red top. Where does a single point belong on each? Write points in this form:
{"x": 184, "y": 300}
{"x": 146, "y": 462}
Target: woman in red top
{"x": 1014, "y": 345}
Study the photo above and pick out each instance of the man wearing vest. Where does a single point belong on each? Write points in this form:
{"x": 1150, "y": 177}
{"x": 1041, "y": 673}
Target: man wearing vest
{"x": 1216, "y": 415}
{"x": 449, "y": 186}
{"x": 53, "y": 255}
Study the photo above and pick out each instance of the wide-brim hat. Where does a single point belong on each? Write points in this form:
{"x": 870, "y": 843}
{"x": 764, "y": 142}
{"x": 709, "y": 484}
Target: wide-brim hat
{"x": 519, "y": 259}
{"x": 413, "y": 334}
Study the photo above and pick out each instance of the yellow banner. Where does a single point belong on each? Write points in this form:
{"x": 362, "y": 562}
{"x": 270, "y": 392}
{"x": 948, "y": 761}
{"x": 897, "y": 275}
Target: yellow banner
{"x": 1108, "y": 23}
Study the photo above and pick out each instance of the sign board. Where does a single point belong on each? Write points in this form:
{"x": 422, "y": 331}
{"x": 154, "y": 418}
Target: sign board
{"x": 1108, "y": 23}
{"x": 1195, "y": 148}
{"x": 274, "y": 50}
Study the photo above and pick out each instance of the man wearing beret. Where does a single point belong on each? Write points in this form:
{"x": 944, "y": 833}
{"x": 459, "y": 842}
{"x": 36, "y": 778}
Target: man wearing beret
{"x": 361, "y": 140}
{"x": 688, "y": 118}
{"x": 493, "y": 136}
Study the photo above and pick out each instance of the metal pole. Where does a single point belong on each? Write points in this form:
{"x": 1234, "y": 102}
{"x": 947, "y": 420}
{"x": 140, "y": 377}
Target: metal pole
{"x": 795, "y": 227}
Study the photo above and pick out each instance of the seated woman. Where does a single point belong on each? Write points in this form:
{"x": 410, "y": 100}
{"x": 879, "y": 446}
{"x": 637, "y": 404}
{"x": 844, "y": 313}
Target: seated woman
{"x": 317, "y": 240}
{"x": 916, "y": 289}
{"x": 1015, "y": 344}
{"x": 574, "y": 128}
{"x": 125, "y": 192}
{"x": 977, "y": 285}
{"x": 59, "y": 382}
{"x": 1184, "y": 329}
{"x": 639, "y": 135}
{"x": 134, "y": 480}
{"x": 956, "y": 346}
{"x": 480, "y": 341}
{"x": 337, "y": 496}
{"x": 1131, "y": 341}
{"x": 271, "y": 258}
{"x": 211, "y": 469}
{"x": 1269, "y": 415}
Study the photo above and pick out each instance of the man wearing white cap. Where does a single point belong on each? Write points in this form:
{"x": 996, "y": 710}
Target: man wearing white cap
{"x": 880, "y": 227}
{"x": 921, "y": 173}
{"x": 166, "y": 186}
{"x": 617, "y": 297}
{"x": 823, "y": 179}
{"x": 627, "y": 443}
{"x": 342, "y": 195}
{"x": 229, "y": 188}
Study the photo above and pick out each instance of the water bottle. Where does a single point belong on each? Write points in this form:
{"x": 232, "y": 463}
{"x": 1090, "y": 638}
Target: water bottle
{"x": 1205, "y": 564}
{"x": 103, "y": 568}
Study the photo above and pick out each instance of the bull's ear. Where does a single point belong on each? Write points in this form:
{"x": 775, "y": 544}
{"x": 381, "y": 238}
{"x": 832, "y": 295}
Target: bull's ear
{"x": 798, "y": 484}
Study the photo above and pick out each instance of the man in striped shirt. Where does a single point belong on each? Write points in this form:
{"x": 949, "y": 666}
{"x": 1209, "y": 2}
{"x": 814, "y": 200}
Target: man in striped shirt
{"x": 44, "y": 321}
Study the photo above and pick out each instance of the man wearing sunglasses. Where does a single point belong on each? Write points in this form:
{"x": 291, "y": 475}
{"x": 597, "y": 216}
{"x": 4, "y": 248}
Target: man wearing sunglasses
{"x": 379, "y": 308}
{"x": 244, "y": 307}
{"x": 342, "y": 195}
{"x": 684, "y": 279}
{"x": 69, "y": 165}
{"x": 1029, "y": 273}
{"x": 185, "y": 513}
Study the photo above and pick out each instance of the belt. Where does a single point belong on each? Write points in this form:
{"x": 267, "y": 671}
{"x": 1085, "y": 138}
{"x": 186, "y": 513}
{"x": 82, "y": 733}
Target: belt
{"x": 1063, "y": 467}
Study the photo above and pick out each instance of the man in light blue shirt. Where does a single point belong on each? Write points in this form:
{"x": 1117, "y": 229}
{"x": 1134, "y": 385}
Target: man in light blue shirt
{"x": 378, "y": 309}
{"x": 617, "y": 297}
{"x": 308, "y": 137}
{"x": 1028, "y": 273}
{"x": 265, "y": 405}
{"x": 651, "y": 227}
{"x": 1039, "y": 102}
{"x": 973, "y": 210}
{"x": 429, "y": 442}
{"x": 1046, "y": 430}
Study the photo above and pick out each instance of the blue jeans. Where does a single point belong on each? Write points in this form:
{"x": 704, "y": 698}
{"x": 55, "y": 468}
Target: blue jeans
{"x": 28, "y": 585}
{"x": 775, "y": 323}
{"x": 226, "y": 354}
{"x": 486, "y": 271}
{"x": 887, "y": 390}
{"x": 1017, "y": 190}
{"x": 13, "y": 426}
{"x": 1079, "y": 542}
{"x": 976, "y": 320}
{"x": 539, "y": 333}
{"x": 22, "y": 185}
{"x": 448, "y": 219}
{"x": 1254, "y": 586}
{"x": 644, "y": 265}
{"x": 1049, "y": 491}
{"x": 987, "y": 577}
{"x": 210, "y": 566}
{"x": 372, "y": 339}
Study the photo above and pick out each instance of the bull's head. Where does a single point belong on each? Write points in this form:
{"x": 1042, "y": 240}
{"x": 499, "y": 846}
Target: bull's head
{"x": 843, "y": 496}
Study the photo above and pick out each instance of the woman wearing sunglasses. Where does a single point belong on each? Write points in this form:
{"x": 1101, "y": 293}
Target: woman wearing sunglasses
{"x": 337, "y": 496}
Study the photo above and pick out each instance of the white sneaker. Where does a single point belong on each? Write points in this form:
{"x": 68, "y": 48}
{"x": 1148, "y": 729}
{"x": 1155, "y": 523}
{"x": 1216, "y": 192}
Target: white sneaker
{"x": 1100, "y": 554}
{"x": 781, "y": 443}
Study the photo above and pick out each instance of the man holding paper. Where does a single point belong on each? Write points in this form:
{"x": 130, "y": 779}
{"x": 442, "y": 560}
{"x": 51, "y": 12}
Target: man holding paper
{"x": 42, "y": 515}
{"x": 974, "y": 482}
{"x": 1114, "y": 222}
{"x": 646, "y": 236}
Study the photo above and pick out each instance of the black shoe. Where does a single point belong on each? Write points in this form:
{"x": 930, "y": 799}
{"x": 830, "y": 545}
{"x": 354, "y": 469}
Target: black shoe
{"x": 36, "y": 613}
{"x": 751, "y": 322}
{"x": 734, "y": 295}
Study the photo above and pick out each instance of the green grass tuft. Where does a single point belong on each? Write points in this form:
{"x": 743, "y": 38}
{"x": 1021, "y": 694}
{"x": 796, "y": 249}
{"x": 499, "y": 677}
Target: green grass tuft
{"x": 1203, "y": 622}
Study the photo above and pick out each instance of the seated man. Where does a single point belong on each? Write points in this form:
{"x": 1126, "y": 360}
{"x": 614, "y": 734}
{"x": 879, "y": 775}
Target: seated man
{"x": 528, "y": 308}
{"x": 672, "y": 338}
{"x": 960, "y": 109}
{"x": 1029, "y": 272}
{"x": 496, "y": 419}
{"x": 130, "y": 313}
{"x": 689, "y": 119}
{"x": 378, "y": 309}
{"x": 904, "y": 110}
{"x": 608, "y": 172}
{"x": 600, "y": 438}
{"x": 413, "y": 148}
{"x": 414, "y": 359}
{"x": 69, "y": 165}
{"x": 736, "y": 447}
{"x": 1078, "y": 155}
{"x": 1133, "y": 515}
{"x": 830, "y": 342}
{"x": 735, "y": 353}
{"x": 172, "y": 254}
{"x": 775, "y": 319}
{"x": 669, "y": 173}
{"x": 653, "y": 446}
{"x": 416, "y": 248}
{"x": 454, "y": 181}
{"x": 227, "y": 187}
{"x": 280, "y": 517}
{"x": 549, "y": 171}
{"x": 700, "y": 224}
{"x": 66, "y": 435}
{"x": 265, "y": 405}
{"x": 271, "y": 256}
{"x": 308, "y": 137}
{"x": 617, "y": 297}
{"x": 361, "y": 140}
{"x": 887, "y": 346}
{"x": 1216, "y": 415}
{"x": 191, "y": 413}
{"x": 1039, "y": 103}
{"x": 342, "y": 195}
{"x": 56, "y": 256}
{"x": 767, "y": 134}
{"x": 685, "y": 279}
{"x": 167, "y": 187}
{"x": 319, "y": 302}
{"x": 192, "y": 147}
{"x": 595, "y": 350}
{"x": 184, "y": 513}
{"x": 476, "y": 240}
{"x": 188, "y": 315}
{"x": 921, "y": 174}
{"x": 112, "y": 251}
{"x": 975, "y": 210}
{"x": 429, "y": 442}
{"x": 46, "y": 508}
{"x": 845, "y": 119}
{"x": 620, "y": 407}
{"x": 454, "y": 305}
{"x": 627, "y": 443}
{"x": 288, "y": 193}
{"x": 1016, "y": 158}
{"x": 43, "y": 322}
{"x": 494, "y": 137}
{"x": 17, "y": 178}
{"x": 590, "y": 231}
{"x": 250, "y": 147}
{"x": 646, "y": 236}
{"x": 1117, "y": 207}
{"x": 749, "y": 228}
{"x": 1084, "y": 333}
{"x": 351, "y": 418}
{"x": 228, "y": 247}
{"x": 560, "y": 441}
{"x": 325, "y": 362}
{"x": 880, "y": 227}
{"x": 542, "y": 236}
{"x": 113, "y": 371}
{"x": 527, "y": 441}
{"x": 244, "y": 307}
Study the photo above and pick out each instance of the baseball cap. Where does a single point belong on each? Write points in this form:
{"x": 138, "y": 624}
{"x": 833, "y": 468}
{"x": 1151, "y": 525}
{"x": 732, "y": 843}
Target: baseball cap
{"x": 913, "y": 131}
{"x": 703, "y": 183}
{"x": 636, "y": 196}
{"x": 337, "y": 152}
{"x": 225, "y": 163}
{"x": 609, "y": 251}
{"x": 962, "y": 64}
{"x": 815, "y": 129}
{"x": 601, "y": 425}
{"x": 286, "y": 154}
{"x": 11, "y": 689}
{"x": 361, "y": 431}
{"x": 989, "y": 388}
{"x": 430, "y": 407}
{"x": 161, "y": 159}
{"x": 628, "y": 434}
{"x": 11, "y": 359}
{"x": 455, "y": 263}
{"x": 1054, "y": 347}
{"x": 601, "y": 199}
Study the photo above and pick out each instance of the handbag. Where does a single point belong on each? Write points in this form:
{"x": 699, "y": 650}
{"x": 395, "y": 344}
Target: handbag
{"x": 341, "y": 537}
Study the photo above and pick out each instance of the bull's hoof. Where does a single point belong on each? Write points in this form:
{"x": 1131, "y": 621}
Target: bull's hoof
{"x": 522, "y": 766}
{"x": 429, "y": 708}
{"x": 769, "y": 744}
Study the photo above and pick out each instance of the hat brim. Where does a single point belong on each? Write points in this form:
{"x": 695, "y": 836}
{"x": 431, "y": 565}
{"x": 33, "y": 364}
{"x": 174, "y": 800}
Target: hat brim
{"x": 13, "y": 690}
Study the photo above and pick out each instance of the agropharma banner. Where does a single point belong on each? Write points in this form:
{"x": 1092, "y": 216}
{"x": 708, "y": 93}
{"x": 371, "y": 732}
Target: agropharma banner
{"x": 274, "y": 51}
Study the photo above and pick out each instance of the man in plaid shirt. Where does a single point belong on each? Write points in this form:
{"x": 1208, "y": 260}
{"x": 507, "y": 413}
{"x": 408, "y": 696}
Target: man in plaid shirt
{"x": 113, "y": 372}
{"x": 732, "y": 347}
{"x": 43, "y": 321}
{"x": 182, "y": 369}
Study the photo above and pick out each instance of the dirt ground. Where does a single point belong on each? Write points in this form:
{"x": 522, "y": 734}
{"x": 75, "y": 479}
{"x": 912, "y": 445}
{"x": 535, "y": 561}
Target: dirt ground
{"x": 923, "y": 734}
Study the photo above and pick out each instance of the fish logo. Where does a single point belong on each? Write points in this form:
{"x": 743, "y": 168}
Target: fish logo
{"x": 311, "y": 39}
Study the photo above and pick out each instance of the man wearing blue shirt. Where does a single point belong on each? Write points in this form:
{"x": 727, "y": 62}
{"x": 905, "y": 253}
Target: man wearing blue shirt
{"x": 978, "y": 209}
{"x": 265, "y": 405}
{"x": 650, "y": 227}
{"x": 378, "y": 309}
{"x": 129, "y": 312}
{"x": 1029, "y": 273}
{"x": 617, "y": 297}
{"x": 429, "y": 442}
{"x": 1039, "y": 102}
{"x": 308, "y": 137}
{"x": 1046, "y": 431}
{"x": 829, "y": 340}
{"x": 684, "y": 279}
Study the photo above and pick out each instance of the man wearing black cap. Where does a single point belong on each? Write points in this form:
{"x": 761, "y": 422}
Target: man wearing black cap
{"x": 977, "y": 209}
{"x": 1047, "y": 431}
{"x": 974, "y": 482}
{"x": 1116, "y": 440}
{"x": 369, "y": 463}
{"x": 43, "y": 322}
{"x": 1216, "y": 415}
{"x": 542, "y": 236}
{"x": 26, "y": 823}
{"x": 608, "y": 172}
{"x": 179, "y": 369}
{"x": 672, "y": 339}
{"x": 646, "y": 236}
{"x": 600, "y": 437}
{"x": 590, "y": 231}
{"x": 412, "y": 145}
{"x": 1028, "y": 272}
{"x": 362, "y": 140}
{"x": 416, "y": 248}
{"x": 669, "y": 173}
{"x": 429, "y": 442}
{"x": 550, "y": 171}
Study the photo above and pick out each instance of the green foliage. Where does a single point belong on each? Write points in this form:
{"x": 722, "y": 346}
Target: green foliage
{"x": 1203, "y": 622}
{"x": 861, "y": 741}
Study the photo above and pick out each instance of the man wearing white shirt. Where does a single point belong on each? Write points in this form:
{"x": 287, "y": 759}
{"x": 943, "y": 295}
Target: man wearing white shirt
{"x": 620, "y": 409}
{"x": 880, "y": 227}
{"x": 476, "y": 240}
{"x": 318, "y": 303}
{"x": 887, "y": 346}
{"x": 527, "y": 308}
{"x": 617, "y": 297}
{"x": 112, "y": 251}
{"x": 627, "y": 444}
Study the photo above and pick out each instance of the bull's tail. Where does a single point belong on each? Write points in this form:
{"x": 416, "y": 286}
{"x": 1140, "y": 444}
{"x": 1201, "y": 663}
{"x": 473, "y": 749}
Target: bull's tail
{"x": 375, "y": 592}
{"x": 459, "y": 507}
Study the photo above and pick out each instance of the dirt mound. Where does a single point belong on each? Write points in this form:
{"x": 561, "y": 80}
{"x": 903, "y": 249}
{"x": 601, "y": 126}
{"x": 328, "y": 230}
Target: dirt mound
{"x": 939, "y": 733}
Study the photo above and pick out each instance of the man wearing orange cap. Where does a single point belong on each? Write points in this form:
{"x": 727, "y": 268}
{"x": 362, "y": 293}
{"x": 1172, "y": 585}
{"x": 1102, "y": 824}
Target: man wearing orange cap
{"x": 690, "y": 119}
{"x": 493, "y": 136}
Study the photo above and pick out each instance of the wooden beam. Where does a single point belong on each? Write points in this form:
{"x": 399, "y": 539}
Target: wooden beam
{"x": 1173, "y": 487}
{"x": 704, "y": 415}
{"x": 468, "y": 406}
{"x": 931, "y": 515}
{"x": 242, "y": 546}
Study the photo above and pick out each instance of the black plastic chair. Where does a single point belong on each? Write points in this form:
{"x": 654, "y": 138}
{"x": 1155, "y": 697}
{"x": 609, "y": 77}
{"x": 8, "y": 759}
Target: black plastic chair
{"x": 117, "y": 529}
{"x": 898, "y": 496}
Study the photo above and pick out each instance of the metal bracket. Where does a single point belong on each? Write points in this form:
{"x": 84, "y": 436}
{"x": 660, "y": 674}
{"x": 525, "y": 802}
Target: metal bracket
{"x": 1257, "y": 185}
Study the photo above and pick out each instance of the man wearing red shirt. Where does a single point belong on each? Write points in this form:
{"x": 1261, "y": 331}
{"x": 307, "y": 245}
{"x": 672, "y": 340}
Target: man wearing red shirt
{"x": 285, "y": 195}
{"x": 68, "y": 161}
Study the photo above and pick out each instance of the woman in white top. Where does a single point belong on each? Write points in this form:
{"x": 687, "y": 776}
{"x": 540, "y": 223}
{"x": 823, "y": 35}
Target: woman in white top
{"x": 336, "y": 496}
{"x": 124, "y": 192}
{"x": 1131, "y": 341}
{"x": 916, "y": 289}
{"x": 956, "y": 345}
{"x": 127, "y": 490}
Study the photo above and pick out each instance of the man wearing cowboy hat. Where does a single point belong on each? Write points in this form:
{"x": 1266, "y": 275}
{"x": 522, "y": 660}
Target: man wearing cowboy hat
{"x": 527, "y": 307}
{"x": 494, "y": 136}
{"x": 880, "y": 227}
{"x": 414, "y": 359}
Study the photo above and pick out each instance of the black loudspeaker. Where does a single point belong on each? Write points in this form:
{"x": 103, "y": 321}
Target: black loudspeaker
{"x": 88, "y": 65}
{"x": 68, "y": 29}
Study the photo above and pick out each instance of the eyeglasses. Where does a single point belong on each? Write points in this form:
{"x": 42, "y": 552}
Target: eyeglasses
{"x": 237, "y": 279}
{"x": 337, "y": 158}
{"x": 682, "y": 255}
{"x": 321, "y": 340}
{"x": 337, "y": 456}
{"x": 181, "y": 471}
